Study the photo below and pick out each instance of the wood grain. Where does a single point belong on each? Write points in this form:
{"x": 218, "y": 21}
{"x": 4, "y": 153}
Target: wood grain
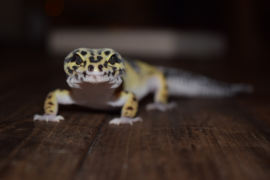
{"x": 202, "y": 139}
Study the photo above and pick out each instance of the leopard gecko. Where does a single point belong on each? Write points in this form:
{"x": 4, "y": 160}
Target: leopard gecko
{"x": 102, "y": 79}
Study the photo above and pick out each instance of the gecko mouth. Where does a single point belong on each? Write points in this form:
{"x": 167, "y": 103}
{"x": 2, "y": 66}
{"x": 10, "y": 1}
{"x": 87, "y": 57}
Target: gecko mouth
{"x": 96, "y": 77}
{"x": 79, "y": 80}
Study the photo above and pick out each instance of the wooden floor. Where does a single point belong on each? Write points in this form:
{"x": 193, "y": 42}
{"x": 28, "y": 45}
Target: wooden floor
{"x": 200, "y": 139}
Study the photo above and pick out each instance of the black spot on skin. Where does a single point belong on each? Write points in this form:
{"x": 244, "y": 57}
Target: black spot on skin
{"x": 50, "y": 103}
{"x": 84, "y": 64}
{"x": 74, "y": 57}
{"x": 134, "y": 99}
{"x": 67, "y": 60}
{"x": 49, "y": 97}
{"x": 130, "y": 108}
{"x": 114, "y": 69}
{"x": 74, "y": 68}
{"x": 51, "y": 111}
{"x": 83, "y": 53}
{"x": 106, "y": 64}
{"x": 109, "y": 73}
{"x": 120, "y": 72}
{"x": 92, "y": 59}
{"x": 91, "y": 52}
{"x": 76, "y": 76}
{"x": 99, "y": 52}
{"x": 126, "y": 92}
{"x": 99, "y": 58}
{"x": 113, "y": 73}
{"x": 105, "y": 73}
{"x": 69, "y": 70}
{"x": 81, "y": 79}
{"x": 84, "y": 74}
{"x": 107, "y": 53}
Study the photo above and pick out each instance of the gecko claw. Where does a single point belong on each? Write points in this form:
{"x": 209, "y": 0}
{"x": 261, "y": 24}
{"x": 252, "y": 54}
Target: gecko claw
{"x": 125, "y": 120}
{"x": 48, "y": 117}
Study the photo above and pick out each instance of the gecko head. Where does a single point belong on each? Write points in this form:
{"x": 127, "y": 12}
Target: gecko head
{"x": 94, "y": 65}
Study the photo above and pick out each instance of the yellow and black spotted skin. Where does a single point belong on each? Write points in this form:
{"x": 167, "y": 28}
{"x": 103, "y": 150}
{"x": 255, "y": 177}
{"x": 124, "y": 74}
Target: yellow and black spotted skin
{"x": 102, "y": 79}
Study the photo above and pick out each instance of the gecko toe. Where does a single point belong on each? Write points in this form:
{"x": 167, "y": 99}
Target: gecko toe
{"x": 48, "y": 117}
{"x": 125, "y": 120}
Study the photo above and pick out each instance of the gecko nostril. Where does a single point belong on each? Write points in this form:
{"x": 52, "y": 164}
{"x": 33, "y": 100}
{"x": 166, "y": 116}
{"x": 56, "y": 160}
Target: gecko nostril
{"x": 90, "y": 67}
{"x": 100, "y": 67}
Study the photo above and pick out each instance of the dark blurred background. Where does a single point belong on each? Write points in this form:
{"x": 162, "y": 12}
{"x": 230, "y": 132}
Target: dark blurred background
{"x": 231, "y": 30}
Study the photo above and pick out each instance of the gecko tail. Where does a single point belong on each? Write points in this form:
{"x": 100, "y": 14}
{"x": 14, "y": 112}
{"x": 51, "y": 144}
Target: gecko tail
{"x": 184, "y": 83}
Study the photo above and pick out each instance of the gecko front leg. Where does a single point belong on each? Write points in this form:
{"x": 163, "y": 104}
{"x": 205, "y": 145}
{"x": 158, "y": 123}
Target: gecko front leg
{"x": 129, "y": 109}
{"x": 51, "y": 105}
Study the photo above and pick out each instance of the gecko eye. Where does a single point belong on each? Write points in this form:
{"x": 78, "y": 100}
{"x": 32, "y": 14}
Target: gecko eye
{"x": 78, "y": 59}
{"x": 112, "y": 59}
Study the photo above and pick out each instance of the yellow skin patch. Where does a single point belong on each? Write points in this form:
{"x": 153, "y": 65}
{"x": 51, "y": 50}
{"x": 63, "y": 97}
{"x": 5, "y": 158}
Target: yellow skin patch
{"x": 131, "y": 106}
{"x": 94, "y": 76}
{"x": 140, "y": 78}
{"x": 51, "y": 103}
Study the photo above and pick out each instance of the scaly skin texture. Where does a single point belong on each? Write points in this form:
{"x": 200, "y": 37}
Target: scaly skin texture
{"x": 131, "y": 106}
{"x": 102, "y": 79}
{"x": 51, "y": 104}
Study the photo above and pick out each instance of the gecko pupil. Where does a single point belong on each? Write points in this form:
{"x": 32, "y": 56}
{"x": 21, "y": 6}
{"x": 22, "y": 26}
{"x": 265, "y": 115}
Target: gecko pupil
{"x": 112, "y": 59}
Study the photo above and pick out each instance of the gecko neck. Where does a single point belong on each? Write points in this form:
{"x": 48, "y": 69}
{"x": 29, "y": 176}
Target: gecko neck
{"x": 96, "y": 95}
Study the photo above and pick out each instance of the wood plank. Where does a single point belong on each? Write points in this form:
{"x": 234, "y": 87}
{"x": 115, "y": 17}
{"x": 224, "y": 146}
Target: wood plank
{"x": 201, "y": 139}
{"x": 39, "y": 150}
{"x": 258, "y": 108}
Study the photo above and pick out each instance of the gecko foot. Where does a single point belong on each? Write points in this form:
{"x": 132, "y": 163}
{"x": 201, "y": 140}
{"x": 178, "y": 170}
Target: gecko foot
{"x": 48, "y": 117}
{"x": 160, "y": 106}
{"x": 125, "y": 120}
